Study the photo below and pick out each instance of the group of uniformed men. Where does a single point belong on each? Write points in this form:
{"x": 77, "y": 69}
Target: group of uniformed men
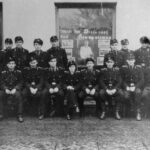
{"x": 58, "y": 86}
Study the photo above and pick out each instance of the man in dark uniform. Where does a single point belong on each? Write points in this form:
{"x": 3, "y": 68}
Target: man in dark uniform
{"x": 142, "y": 55}
{"x": 89, "y": 86}
{"x": 54, "y": 87}
{"x": 133, "y": 79}
{"x": 33, "y": 91}
{"x": 124, "y": 50}
{"x": 58, "y": 52}
{"x": 11, "y": 83}
{"x": 111, "y": 92}
{"x": 115, "y": 53}
{"x": 39, "y": 54}
{"x": 20, "y": 54}
{"x": 72, "y": 85}
{"x": 146, "y": 90}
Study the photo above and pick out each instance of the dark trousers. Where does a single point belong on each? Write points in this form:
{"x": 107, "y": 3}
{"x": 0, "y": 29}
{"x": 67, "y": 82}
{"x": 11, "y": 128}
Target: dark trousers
{"x": 54, "y": 102}
{"x": 72, "y": 102}
{"x": 82, "y": 96}
{"x": 38, "y": 98}
{"x": 109, "y": 99}
{"x": 134, "y": 99}
{"x": 146, "y": 99}
{"x": 17, "y": 98}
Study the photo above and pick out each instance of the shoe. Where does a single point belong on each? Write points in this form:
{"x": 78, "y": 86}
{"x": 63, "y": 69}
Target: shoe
{"x": 1, "y": 117}
{"x": 41, "y": 117}
{"x": 138, "y": 117}
{"x": 117, "y": 116}
{"x": 68, "y": 117}
{"x": 102, "y": 116}
{"x": 20, "y": 119}
{"x": 77, "y": 109}
{"x": 52, "y": 113}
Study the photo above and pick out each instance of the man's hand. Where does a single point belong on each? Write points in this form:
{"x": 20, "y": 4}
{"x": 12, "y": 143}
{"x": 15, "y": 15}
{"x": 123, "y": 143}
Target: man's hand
{"x": 132, "y": 88}
{"x": 51, "y": 91}
{"x": 56, "y": 89}
{"x": 7, "y": 91}
{"x": 128, "y": 88}
{"x": 87, "y": 91}
{"x": 32, "y": 90}
{"x": 13, "y": 91}
{"x": 114, "y": 91}
{"x": 92, "y": 92}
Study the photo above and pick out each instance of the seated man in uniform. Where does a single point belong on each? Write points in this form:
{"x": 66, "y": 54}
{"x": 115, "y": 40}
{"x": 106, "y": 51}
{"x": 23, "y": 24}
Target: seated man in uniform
{"x": 33, "y": 78}
{"x": 146, "y": 91}
{"x": 111, "y": 92}
{"x": 133, "y": 79}
{"x": 72, "y": 86}
{"x": 89, "y": 85}
{"x": 11, "y": 84}
{"x": 54, "y": 87}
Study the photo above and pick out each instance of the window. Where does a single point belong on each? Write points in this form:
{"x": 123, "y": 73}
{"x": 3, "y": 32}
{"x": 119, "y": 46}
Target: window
{"x": 85, "y": 29}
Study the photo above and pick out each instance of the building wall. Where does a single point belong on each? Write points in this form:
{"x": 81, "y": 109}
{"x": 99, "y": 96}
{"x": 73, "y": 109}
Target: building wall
{"x": 36, "y": 18}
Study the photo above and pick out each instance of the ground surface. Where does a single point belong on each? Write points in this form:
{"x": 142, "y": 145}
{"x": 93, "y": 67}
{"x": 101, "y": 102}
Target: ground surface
{"x": 88, "y": 133}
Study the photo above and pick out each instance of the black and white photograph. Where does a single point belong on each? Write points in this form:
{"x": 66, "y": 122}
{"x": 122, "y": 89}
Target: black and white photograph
{"x": 74, "y": 75}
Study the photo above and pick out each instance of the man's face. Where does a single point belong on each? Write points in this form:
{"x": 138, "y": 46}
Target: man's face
{"x": 72, "y": 68}
{"x": 131, "y": 62}
{"x": 90, "y": 64}
{"x": 110, "y": 64}
{"x": 33, "y": 63}
{"x": 11, "y": 65}
{"x": 8, "y": 46}
{"x": 19, "y": 44}
{"x": 144, "y": 45}
{"x": 53, "y": 62}
{"x": 37, "y": 46}
{"x": 55, "y": 43}
{"x": 125, "y": 46}
{"x": 114, "y": 46}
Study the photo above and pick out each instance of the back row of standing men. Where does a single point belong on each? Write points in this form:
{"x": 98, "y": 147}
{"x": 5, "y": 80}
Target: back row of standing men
{"x": 48, "y": 76}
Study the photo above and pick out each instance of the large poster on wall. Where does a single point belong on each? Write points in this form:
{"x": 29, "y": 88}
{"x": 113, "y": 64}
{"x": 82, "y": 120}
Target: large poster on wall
{"x": 85, "y": 33}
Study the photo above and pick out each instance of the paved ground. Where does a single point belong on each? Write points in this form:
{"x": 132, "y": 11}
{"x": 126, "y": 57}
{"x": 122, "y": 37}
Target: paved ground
{"x": 87, "y": 133}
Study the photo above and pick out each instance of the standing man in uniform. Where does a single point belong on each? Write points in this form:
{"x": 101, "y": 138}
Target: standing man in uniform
{"x": 133, "y": 79}
{"x": 33, "y": 91}
{"x": 11, "y": 85}
{"x": 124, "y": 50}
{"x": 54, "y": 87}
{"x": 39, "y": 54}
{"x": 20, "y": 54}
{"x": 111, "y": 92}
{"x": 72, "y": 86}
{"x": 115, "y": 53}
{"x": 57, "y": 52}
{"x": 89, "y": 87}
{"x": 142, "y": 55}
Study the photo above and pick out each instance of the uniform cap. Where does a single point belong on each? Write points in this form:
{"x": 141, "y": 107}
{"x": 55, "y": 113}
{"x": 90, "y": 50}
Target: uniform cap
{"x": 18, "y": 38}
{"x": 125, "y": 42}
{"x": 89, "y": 59}
{"x": 144, "y": 40}
{"x": 70, "y": 63}
{"x": 8, "y": 40}
{"x": 113, "y": 41}
{"x": 130, "y": 56}
{"x": 54, "y": 38}
{"x": 39, "y": 41}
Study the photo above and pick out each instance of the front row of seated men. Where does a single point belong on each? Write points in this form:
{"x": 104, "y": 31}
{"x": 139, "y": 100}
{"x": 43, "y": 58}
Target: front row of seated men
{"x": 53, "y": 88}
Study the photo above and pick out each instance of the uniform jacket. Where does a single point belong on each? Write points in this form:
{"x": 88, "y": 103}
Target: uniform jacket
{"x": 11, "y": 79}
{"x": 110, "y": 78}
{"x": 132, "y": 75}
{"x": 33, "y": 77}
